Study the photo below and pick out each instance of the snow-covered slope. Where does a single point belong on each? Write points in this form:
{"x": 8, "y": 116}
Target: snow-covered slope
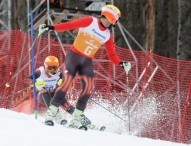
{"x": 17, "y": 129}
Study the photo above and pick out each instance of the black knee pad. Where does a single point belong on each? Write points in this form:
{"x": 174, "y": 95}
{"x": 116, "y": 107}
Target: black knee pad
{"x": 59, "y": 98}
{"x": 82, "y": 102}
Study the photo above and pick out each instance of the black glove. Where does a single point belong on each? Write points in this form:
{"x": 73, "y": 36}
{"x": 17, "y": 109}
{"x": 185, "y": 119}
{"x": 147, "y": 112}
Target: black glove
{"x": 43, "y": 27}
{"x": 50, "y": 27}
{"x": 125, "y": 65}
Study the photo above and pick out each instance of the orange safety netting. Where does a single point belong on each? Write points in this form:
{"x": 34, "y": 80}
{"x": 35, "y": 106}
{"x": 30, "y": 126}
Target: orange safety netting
{"x": 159, "y": 86}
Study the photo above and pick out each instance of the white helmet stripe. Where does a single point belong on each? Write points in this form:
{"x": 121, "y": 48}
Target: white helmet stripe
{"x": 112, "y": 11}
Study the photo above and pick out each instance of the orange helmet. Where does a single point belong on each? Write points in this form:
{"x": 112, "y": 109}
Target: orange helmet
{"x": 51, "y": 62}
{"x": 111, "y": 12}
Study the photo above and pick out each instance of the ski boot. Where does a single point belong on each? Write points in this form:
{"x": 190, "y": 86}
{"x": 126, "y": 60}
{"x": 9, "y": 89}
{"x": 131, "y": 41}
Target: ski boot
{"x": 58, "y": 118}
{"x": 50, "y": 115}
{"x": 76, "y": 121}
{"x": 53, "y": 114}
{"x": 80, "y": 121}
{"x": 86, "y": 122}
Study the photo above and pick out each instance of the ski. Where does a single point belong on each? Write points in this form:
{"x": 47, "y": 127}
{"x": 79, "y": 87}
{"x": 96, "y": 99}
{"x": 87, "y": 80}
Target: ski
{"x": 65, "y": 122}
{"x": 83, "y": 127}
{"x": 87, "y": 124}
{"x": 51, "y": 123}
{"x": 102, "y": 128}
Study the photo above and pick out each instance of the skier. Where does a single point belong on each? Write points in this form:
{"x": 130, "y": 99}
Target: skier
{"x": 48, "y": 78}
{"x": 93, "y": 33}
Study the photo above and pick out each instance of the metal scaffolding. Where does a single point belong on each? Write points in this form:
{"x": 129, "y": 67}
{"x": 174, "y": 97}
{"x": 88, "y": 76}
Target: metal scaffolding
{"x": 5, "y": 15}
{"x": 48, "y": 15}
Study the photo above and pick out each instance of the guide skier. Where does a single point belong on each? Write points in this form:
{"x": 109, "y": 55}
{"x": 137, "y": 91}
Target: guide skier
{"x": 93, "y": 33}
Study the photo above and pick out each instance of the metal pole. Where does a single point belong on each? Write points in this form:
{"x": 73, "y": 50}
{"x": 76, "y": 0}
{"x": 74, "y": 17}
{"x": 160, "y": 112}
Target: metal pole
{"x": 130, "y": 48}
{"x": 48, "y": 15}
{"x": 33, "y": 67}
{"x": 28, "y": 12}
{"x": 178, "y": 64}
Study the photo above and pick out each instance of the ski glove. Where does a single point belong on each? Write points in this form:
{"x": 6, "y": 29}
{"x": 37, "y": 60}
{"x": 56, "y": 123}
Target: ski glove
{"x": 125, "y": 65}
{"x": 59, "y": 82}
{"x": 43, "y": 27}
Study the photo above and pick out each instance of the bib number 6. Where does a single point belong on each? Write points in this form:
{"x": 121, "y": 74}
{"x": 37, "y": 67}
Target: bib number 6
{"x": 88, "y": 50}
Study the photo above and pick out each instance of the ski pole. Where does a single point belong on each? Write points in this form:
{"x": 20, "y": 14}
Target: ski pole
{"x": 20, "y": 91}
{"x": 105, "y": 108}
{"x": 128, "y": 103}
{"x": 35, "y": 41}
{"x": 109, "y": 110}
{"x": 45, "y": 100}
{"x": 8, "y": 83}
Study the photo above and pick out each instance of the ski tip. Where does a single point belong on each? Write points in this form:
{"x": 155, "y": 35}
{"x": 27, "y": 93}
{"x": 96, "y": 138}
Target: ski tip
{"x": 49, "y": 123}
{"x": 64, "y": 122}
{"x": 83, "y": 128}
{"x": 102, "y": 128}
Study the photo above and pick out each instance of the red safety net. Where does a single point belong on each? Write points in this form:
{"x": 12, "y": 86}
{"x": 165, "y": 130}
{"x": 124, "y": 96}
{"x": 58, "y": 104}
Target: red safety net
{"x": 159, "y": 90}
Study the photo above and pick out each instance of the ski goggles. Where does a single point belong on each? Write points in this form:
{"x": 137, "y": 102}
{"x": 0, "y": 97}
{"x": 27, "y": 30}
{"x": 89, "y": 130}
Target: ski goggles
{"x": 52, "y": 67}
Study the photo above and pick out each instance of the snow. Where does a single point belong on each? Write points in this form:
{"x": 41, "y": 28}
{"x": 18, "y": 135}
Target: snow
{"x": 19, "y": 129}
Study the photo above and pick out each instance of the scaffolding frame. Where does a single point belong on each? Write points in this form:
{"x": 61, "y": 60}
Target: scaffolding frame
{"x": 6, "y": 13}
{"x": 48, "y": 14}
{"x": 124, "y": 34}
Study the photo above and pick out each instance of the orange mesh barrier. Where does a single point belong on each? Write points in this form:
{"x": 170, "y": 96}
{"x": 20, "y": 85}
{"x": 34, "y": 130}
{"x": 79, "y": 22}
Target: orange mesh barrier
{"x": 159, "y": 85}
{"x": 25, "y": 107}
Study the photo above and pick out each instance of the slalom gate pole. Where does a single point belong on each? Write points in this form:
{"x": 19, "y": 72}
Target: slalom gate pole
{"x": 33, "y": 66}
